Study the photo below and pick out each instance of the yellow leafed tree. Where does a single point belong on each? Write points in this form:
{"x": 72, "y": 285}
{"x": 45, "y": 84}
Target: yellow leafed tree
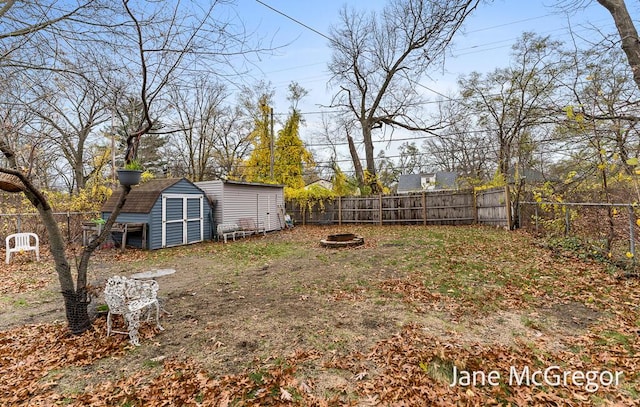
{"x": 291, "y": 156}
{"x": 257, "y": 167}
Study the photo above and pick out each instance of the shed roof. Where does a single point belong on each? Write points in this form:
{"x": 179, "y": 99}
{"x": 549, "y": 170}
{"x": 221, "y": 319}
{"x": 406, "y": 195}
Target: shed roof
{"x": 255, "y": 184}
{"x": 142, "y": 197}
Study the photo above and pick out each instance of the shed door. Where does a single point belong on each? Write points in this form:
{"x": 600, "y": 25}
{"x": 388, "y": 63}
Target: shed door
{"x": 268, "y": 212}
{"x": 182, "y": 219}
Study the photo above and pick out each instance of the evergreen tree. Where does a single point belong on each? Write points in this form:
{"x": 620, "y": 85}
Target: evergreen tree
{"x": 257, "y": 167}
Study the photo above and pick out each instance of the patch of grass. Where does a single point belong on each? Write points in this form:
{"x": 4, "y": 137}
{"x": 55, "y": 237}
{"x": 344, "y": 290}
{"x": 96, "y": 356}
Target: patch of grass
{"x": 151, "y": 364}
{"x": 20, "y": 302}
{"x": 102, "y": 308}
{"x": 633, "y": 392}
{"x": 253, "y": 250}
{"x": 257, "y": 377}
{"x": 531, "y": 323}
{"x": 614, "y": 338}
{"x": 438, "y": 369}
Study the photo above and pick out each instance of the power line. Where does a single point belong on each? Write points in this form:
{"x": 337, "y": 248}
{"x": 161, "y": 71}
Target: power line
{"x": 294, "y": 20}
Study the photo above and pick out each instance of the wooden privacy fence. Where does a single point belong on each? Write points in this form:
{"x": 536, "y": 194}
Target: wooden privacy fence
{"x": 448, "y": 207}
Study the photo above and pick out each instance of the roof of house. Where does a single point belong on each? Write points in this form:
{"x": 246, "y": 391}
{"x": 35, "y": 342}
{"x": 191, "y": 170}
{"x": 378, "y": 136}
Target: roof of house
{"x": 322, "y": 183}
{"x": 413, "y": 182}
{"x": 142, "y": 197}
{"x": 531, "y": 175}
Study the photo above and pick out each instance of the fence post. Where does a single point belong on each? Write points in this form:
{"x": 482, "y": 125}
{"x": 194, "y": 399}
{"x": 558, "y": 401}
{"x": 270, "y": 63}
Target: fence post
{"x": 507, "y": 196}
{"x": 475, "y": 206}
{"x": 424, "y": 208}
{"x": 567, "y": 220}
{"x": 68, "y": 227}
{"x": 304, "y": 214}
{"x": 536, "y": 215}
{"x": 380, "y": 208}
{"x": 339, "y": 211}
{"x": 19, "y": 223}
{"x": 632, "y": 227}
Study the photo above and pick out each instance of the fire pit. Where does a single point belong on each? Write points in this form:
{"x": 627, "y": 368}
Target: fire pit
{"x": 342, "y": 240}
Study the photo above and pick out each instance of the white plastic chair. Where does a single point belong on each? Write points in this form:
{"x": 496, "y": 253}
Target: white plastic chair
{"x": 129, "y": 297}
{"x": 21, "y": 243}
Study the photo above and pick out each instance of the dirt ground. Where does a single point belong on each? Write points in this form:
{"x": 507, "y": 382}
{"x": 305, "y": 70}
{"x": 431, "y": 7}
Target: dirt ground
{"x": 229, "y": 305}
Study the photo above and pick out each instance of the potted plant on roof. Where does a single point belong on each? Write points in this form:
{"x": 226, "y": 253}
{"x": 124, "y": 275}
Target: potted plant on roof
{"x": 131, "y": 173}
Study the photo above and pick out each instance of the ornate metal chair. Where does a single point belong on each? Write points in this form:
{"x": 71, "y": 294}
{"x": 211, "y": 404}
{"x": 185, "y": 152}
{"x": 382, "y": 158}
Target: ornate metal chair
{"x": 129, "y": 298}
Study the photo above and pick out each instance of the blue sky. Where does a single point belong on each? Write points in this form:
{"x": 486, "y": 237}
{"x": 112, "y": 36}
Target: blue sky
{"x": 483, "y": 45}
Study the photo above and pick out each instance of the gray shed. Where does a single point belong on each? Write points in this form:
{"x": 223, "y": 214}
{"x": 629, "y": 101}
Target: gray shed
{"x": 172, "y": 212}
{"x": 233, "y": 200}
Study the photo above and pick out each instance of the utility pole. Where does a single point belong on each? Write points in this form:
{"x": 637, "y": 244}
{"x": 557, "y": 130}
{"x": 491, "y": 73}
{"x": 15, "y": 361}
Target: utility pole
{"x": 113, "y": 149}
{"x": 271, "y": 147}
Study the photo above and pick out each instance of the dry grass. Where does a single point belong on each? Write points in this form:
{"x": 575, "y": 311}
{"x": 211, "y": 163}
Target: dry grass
{"x": 279, "y": 316}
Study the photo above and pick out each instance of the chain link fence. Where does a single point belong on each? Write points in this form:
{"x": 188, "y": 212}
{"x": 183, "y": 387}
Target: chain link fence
{"x": 70, "y": 224}
{"x": 607, "y": 228}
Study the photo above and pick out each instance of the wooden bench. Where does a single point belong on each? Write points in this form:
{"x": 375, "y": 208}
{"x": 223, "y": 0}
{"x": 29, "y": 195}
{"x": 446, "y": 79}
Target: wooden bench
{"x": 248, "y": 227}
{"x": 22, "y": 243}
{"x": 228, "y": 229}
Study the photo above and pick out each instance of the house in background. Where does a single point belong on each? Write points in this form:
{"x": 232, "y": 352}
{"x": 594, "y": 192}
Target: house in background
{"x": 530, "y": 176}
{"x": 234, "y": 200}
{"x": 416, "y": 183}
{"x": 321, "y": 183}
{"x": 163, "y": 212}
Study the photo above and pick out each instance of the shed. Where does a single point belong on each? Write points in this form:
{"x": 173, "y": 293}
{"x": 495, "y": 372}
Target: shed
{"x": 233, "y": 200}
{"x": 174, "y": 212}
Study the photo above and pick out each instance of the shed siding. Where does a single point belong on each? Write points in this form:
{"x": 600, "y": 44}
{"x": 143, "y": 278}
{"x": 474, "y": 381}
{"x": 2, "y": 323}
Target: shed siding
{"x": 214, "y": 191}
{"x": 175, "y": 232}
{"x": 235, "y": 201}
{"x": 155, "y": 226}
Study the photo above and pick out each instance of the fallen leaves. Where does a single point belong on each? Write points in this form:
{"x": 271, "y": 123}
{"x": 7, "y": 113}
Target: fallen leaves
{"x": 453, "y": 272}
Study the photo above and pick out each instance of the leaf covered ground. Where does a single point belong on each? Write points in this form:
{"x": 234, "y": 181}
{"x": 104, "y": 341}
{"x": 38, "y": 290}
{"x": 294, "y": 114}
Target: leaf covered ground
{"x": 280, "y": 320}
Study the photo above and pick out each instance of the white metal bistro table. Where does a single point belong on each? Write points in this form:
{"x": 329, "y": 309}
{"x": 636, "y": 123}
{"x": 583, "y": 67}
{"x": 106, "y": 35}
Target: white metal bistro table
{"x": 153, "y": 274}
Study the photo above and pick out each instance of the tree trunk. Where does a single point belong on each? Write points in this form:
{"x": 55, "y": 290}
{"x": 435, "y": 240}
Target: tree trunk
{"x": 76, "y": 308}
{"x": 368, "y": 149}
{"x": 356, "y": 160}
{"x": 628, "y": 34}
{"x": 371, "y": 177}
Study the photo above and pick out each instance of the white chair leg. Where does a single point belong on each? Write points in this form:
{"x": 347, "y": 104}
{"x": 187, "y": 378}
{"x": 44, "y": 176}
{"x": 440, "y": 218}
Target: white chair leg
{"x": 109, "y": 323}
{"x": 158, "y": 317}
{"x": 133, "y": 323}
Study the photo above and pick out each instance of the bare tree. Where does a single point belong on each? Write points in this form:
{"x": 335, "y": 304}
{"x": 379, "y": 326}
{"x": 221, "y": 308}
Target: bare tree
{"x": 510, "y": 102}
{"x": 211, "y": 136}
{"x": 154, "y": 44}
{"x": 70, "y": 110}
{"x": 460, "y": 147}
{"x": 378, "y": 59}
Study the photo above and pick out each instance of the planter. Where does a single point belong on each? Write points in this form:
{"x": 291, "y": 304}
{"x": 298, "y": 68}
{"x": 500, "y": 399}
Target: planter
{"x": 129, "y": 177}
